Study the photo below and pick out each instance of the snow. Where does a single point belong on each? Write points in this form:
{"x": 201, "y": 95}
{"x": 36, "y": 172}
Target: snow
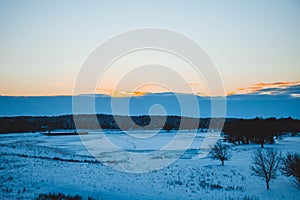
{"x": 27, "y": 161}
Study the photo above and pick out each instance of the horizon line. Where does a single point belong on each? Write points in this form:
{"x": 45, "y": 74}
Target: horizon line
{"x": 149, "y": 93}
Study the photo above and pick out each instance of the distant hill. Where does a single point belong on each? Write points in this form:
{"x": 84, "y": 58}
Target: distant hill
{"x": 238, "y": 106}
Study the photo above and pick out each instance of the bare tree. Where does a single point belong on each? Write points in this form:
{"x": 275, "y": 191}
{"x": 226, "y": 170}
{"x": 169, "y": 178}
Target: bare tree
{"x": 265, "y": 164}
{"x": 220, "y": 152}
{"x": 291, "y": 167}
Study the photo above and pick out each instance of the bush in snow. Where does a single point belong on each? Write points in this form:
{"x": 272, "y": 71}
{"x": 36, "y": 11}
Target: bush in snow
{"x": 291, "y": 167}
{"x": 58, "y": 196}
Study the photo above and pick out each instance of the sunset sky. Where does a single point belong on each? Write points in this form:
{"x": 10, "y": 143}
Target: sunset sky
{"x": 43, "y": 44}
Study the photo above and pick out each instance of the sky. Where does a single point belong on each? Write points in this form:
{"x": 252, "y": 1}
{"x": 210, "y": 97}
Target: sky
{"x": 43, "y": 44}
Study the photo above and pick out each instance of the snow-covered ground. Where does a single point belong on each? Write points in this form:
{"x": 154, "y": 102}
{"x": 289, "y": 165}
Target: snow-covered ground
{"x": 31, "y": 163}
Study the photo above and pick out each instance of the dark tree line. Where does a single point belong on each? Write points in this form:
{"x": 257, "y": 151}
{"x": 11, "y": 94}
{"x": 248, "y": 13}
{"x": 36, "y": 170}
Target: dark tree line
{"x": 33, "y": 124}
{"x": 241, "y": 131}
{"x": 259, "y": 131}
{"x": 43, "y": 123}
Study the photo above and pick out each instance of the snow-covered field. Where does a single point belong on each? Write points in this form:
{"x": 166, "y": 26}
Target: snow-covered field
{"x": 32, "y": 163}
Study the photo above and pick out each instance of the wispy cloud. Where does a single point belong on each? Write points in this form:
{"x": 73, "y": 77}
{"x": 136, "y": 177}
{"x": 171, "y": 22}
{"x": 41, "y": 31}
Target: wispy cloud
{"x": 276, "y": 88}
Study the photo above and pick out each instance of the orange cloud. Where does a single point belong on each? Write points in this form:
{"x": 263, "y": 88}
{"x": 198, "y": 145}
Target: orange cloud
{"x": 127, "y": 94}
{"x": 231, "y": 93}
{"x": 194, "y": 84}
{"x": 115, "y": 93}
{"x": 275, "y": 84}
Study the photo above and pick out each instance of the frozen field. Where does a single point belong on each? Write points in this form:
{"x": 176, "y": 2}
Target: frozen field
{"x": 32, "y": 163}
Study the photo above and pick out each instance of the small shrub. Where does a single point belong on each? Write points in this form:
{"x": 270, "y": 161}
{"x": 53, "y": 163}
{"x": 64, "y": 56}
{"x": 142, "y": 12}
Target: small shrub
{"x": 58, "y": 196}
{"x": 291, "y": 167}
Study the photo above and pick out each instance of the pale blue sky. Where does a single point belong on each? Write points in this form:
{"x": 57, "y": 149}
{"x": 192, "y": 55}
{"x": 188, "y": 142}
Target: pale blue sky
{"x": 44, "y": 43}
